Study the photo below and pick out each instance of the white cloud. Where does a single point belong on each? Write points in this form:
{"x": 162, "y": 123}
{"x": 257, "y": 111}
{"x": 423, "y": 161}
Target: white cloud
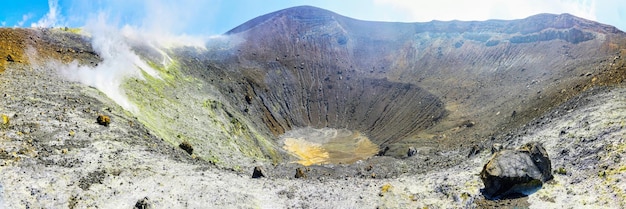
{"x": 25, "y": 18}
{"x": 52, "y": 18}
{"x": 422, "y": 11}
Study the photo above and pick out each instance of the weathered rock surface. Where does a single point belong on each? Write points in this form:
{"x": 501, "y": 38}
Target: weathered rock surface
{"x": 516, "y": 172}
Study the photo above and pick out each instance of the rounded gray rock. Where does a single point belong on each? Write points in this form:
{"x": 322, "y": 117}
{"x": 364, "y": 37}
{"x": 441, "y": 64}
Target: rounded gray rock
{"x": 519, "y": 172}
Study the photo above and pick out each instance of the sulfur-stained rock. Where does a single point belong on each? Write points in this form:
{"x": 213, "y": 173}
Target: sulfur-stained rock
{"x": 5, "y": 121}
{"x": 512, "y": 173}
{"x": 103, "y": 120}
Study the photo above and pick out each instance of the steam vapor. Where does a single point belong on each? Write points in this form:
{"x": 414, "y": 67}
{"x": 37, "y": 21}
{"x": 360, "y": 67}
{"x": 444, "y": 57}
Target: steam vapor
{"x": 118, "y": 63}
{"x": 112, "y": 43}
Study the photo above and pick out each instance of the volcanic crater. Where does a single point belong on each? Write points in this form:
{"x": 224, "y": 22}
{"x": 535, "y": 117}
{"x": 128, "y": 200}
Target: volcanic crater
{"x": 305, "y": 91}
{"x": 443, "y": 84}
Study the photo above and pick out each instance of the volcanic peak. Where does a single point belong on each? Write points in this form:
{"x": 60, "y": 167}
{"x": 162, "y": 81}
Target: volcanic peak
{"x": 308, "y": 15}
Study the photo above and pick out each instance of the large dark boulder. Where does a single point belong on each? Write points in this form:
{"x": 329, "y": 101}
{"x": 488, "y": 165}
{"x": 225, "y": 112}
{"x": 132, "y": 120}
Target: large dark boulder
{"x": 515, "y": 173}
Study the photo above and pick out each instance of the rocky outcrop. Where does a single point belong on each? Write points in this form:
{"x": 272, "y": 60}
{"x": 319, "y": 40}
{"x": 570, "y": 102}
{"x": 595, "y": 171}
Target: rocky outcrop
{"x": 512, "y": 173}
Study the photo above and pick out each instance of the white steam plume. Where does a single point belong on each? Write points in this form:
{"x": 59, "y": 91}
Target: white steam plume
{"x": 113, "y": 42}
{"x": 118, "y": 63}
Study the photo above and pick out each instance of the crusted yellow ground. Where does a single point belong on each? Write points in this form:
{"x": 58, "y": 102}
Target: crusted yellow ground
{"x": 337, "y": 151}
{"x": 309, "y": 153}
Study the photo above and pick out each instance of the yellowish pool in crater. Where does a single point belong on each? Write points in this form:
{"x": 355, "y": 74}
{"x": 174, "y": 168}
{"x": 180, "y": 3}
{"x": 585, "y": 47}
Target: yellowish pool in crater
{"x": 327, "y": 146}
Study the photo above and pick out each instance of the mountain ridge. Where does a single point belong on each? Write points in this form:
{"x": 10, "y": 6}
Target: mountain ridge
{"x": 546, "y": 20}
{"x": 497, "y": 75}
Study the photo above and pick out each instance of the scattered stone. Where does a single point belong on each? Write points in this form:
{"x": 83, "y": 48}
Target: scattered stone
{"x": 474, "y": 151}
{"x": 412, "y": 151}
{"x": 142, "y": 204}
{"x": 259, "y": 172}
{"x": 300, "y": 173}
{"x": 516, "y": 173}
{"x": 560, "y": 171}
{"x": 187, "y": 147}
{"x": 4, "y": 154}
{"x": 72, "y": 202}
{"x": 382, "y": 151}
{"x": 10, "y": 58}
{"x": 468, "y": 124}
{"x": 95, "y": 177}
{"x": 103, "y": 120}
{"x": 496, "y": 148}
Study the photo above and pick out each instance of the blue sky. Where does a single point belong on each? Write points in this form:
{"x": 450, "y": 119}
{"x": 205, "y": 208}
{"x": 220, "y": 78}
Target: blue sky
{"x": 210, "y": 17}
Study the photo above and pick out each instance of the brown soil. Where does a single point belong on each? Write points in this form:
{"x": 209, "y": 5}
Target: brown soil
{"x": 17, "y": 43}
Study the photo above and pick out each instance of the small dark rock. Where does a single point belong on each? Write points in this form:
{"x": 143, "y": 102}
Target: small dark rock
{"x": 382, "y": 151}
{"x": 186, "y": 146}
{"x": 468, "y": 124}
{"x": 474, "y": 151}
{"x": 496, "y": 148}
{"x": 258, "y": 172}
{"x": 300, "y": 173}
{"x": 412, "y": 151}
{"x": 142, "y": 204}
{"x": 10, "y": 58}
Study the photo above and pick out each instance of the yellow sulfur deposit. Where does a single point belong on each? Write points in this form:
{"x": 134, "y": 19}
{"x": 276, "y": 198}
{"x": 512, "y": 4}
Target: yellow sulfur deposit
{"x": 5, "y": 120}
{"x": 338, "y": 147}
{"x": 309, "y": 153}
